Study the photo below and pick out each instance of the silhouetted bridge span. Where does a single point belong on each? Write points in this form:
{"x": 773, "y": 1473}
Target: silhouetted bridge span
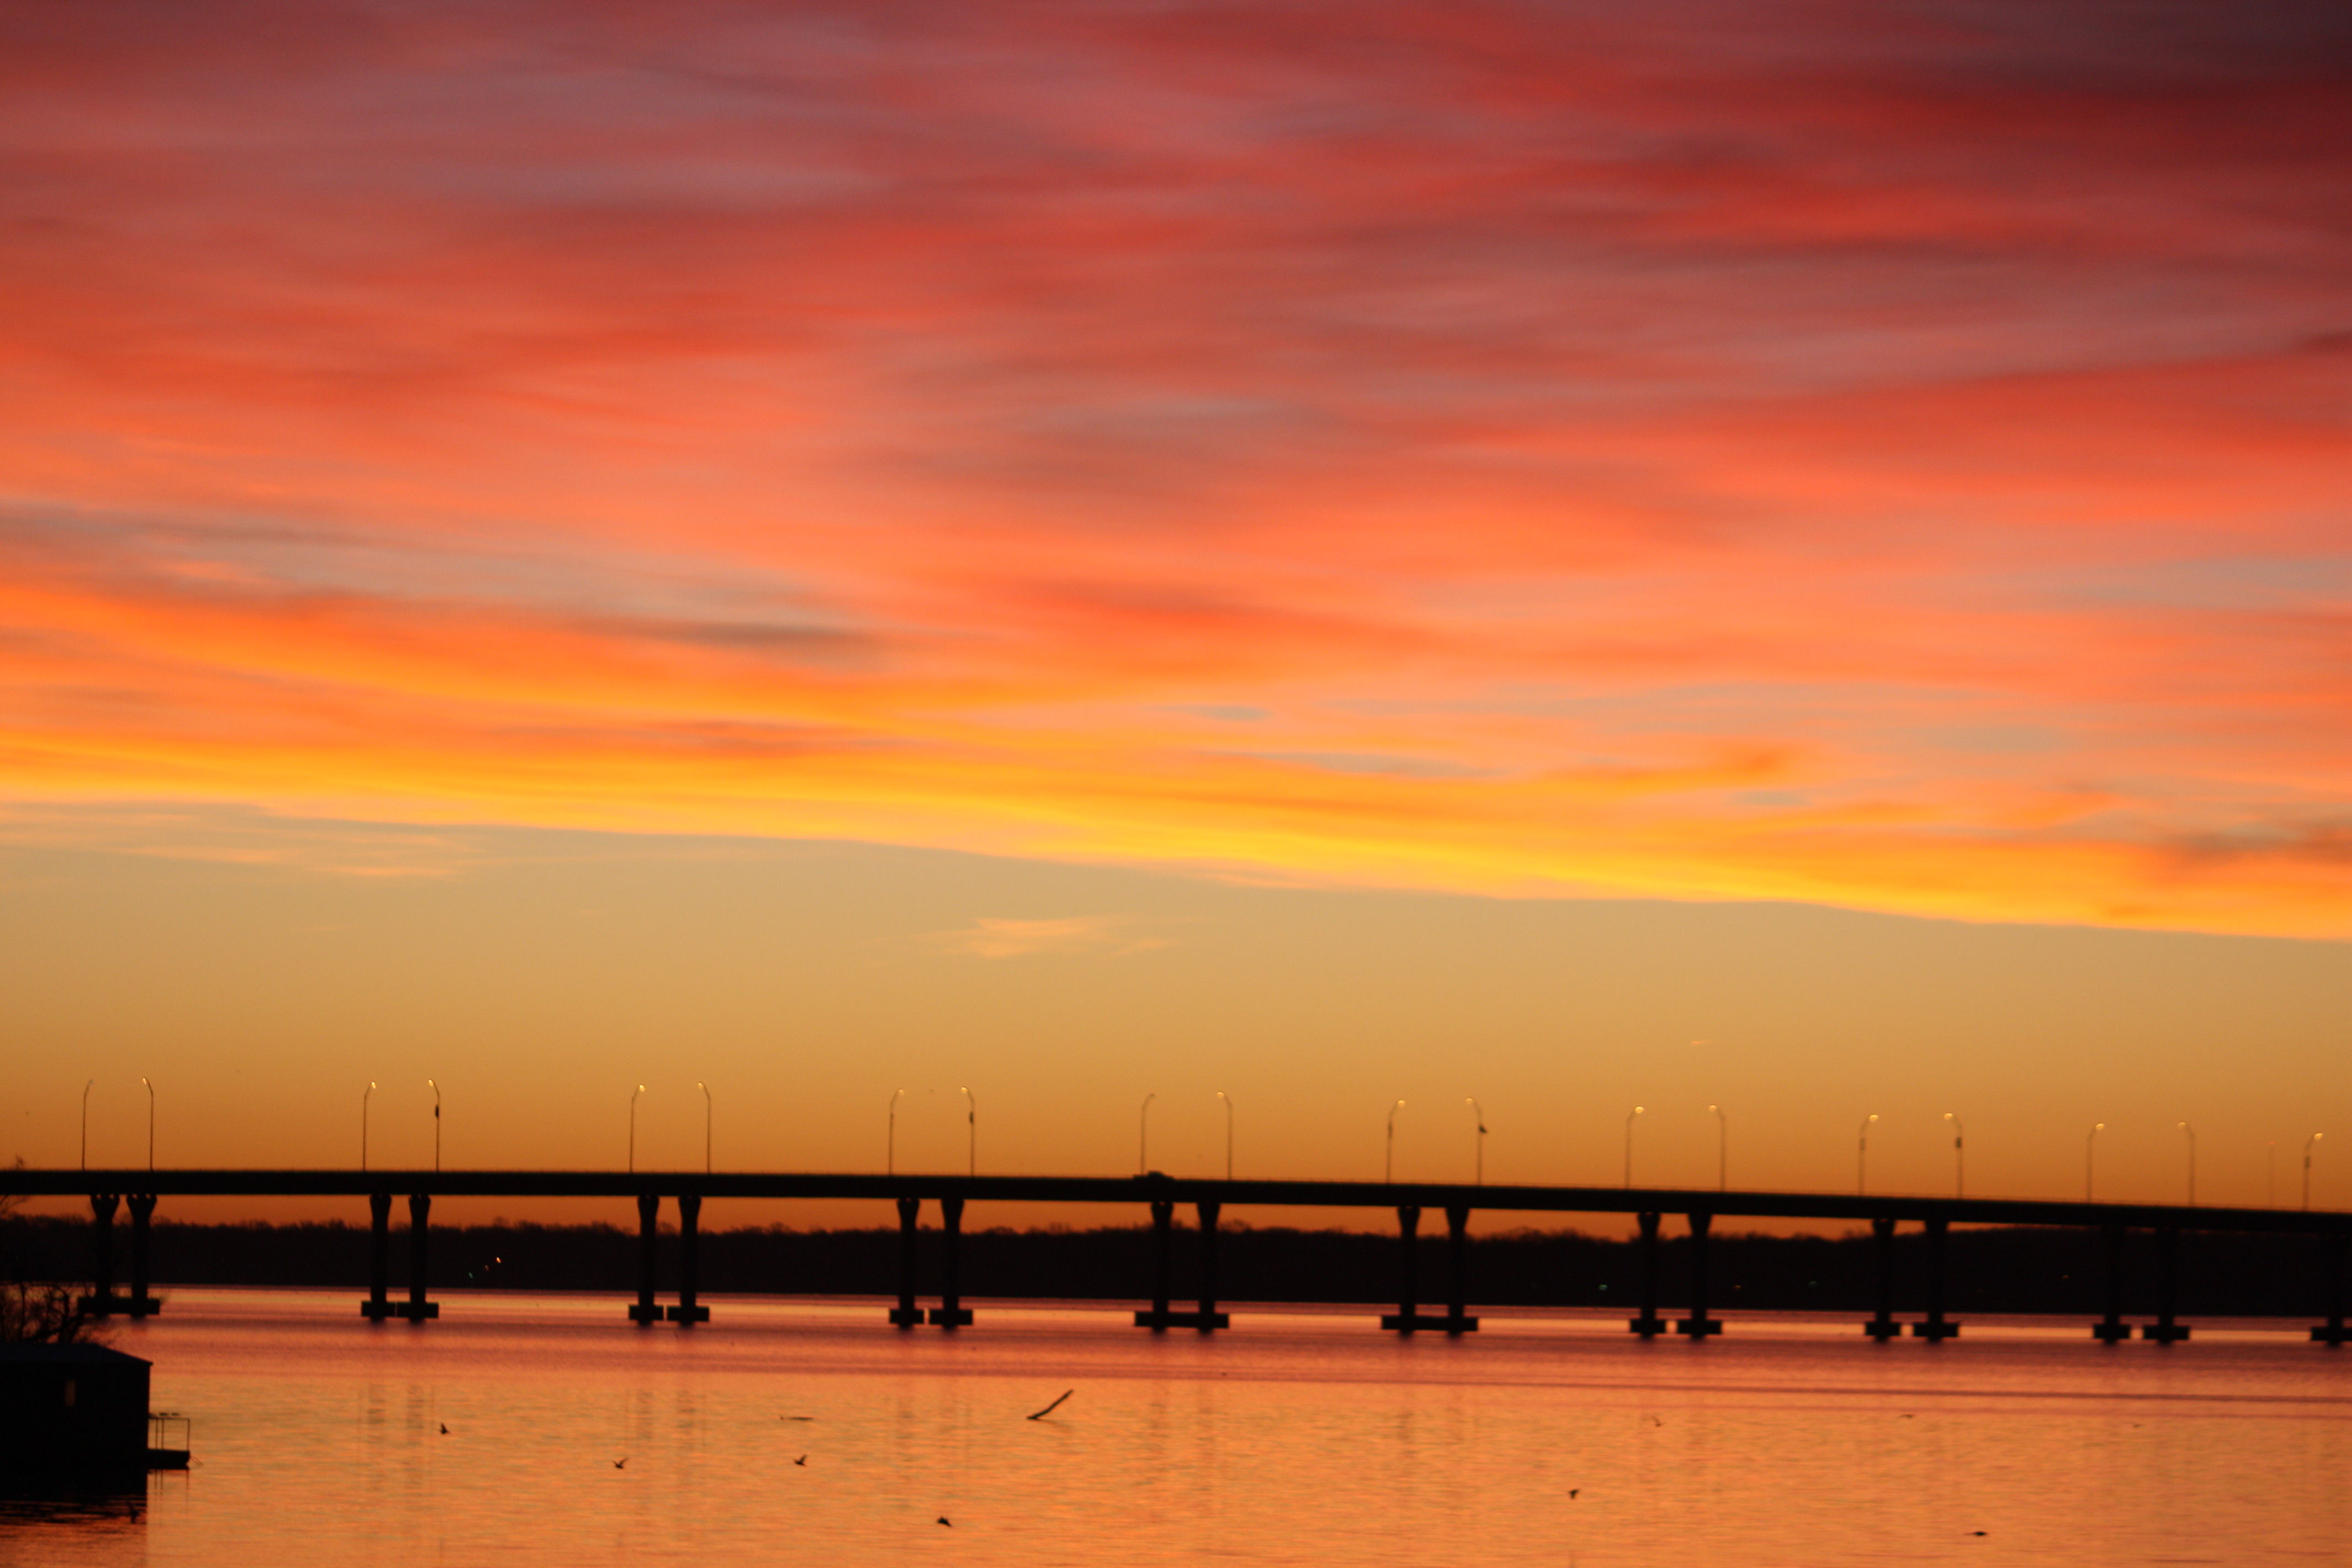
{"x": 107, "y": 1189}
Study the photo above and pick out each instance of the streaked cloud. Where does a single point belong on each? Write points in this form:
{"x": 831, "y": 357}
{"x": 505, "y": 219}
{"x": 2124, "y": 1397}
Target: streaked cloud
{"x": 1889, "y": 458}
{"x": 1075, "y": 936}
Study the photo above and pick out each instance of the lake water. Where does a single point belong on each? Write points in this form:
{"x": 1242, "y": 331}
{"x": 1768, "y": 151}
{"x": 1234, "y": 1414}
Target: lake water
{"x": 1296, "y": 1438}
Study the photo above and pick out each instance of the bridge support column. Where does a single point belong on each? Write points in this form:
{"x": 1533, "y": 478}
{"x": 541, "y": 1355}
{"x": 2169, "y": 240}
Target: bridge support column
{"x": 143, "y": 1211}
{"x": 1935, "y": 1328}
{"x": 906, "y": 1314}
{"x": 951, "y": 1313}
{"x": 647, "y": 1310}
{"x": 416, "y": 1309}
{"x": 102, "y": 1301}
{"x": 2339, "y": 1254}
{"x": 378, "y": 1305}
{"x": 1458, "y": 1320}
{"x": 687, "y": 1313}
{"x": 2164, "y": 1331}
{"x": 1649, "y": 1324}
{"x": 1407, "y": 1317}
{"x": 1884, "y": 1327}
{"x": 1208, "y": 1317}
{"x": 1698, "y": 1325}
{"x": 1163, "y": 1215}
{"x": 2113, "y": 1328}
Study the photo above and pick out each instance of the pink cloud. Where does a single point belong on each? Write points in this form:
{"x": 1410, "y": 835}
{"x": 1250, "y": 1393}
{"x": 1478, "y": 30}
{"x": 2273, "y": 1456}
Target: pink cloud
{"x": 1564, "y": 424}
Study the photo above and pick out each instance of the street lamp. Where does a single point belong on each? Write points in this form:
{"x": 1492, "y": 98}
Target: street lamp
{"x": 706, "y": 1127}
{"x": 1388, "y": 1172}
{"x": 364, "y": 1095}
{"x": 2090, "y": 1143}
{"x": 1629, "y": 1145}
{"x": 2192, "y": 1163}
{"x": 2306, "y": 1165}
{"x": 1862, "y": 1155}
{"x": 436, "y": 1122}
{"x": 2270, "y": 1177}
{"x": 1143, "y": 1135}
{"x": 891, "y": 1147}
{"x": 1959, "y": 1158}
{"x": 1229, "y": 1132}
{"x": 633, "y": 1128}
{"x": 151, "y": 1141}
{"x": 971, "y": 1121}
{"x": 1478, "y": 1114}
{"x": 84, "y": 1121}
{"x": 1722, "y": 1149}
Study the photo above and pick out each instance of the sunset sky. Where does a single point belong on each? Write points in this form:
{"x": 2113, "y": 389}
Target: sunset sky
{"x": 1406, "y": 549}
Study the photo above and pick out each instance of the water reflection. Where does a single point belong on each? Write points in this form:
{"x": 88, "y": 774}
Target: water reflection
{"x": 494, "y": 1436}
{"x": 94, "y": 1518}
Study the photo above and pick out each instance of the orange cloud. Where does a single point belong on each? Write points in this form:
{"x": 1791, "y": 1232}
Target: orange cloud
{"x": 1814, "y": 455}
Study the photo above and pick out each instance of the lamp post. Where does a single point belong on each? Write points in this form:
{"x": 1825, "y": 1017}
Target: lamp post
{"x": 1629, "y": 1145}
{"x": 2192, "y": 1163}
{"x": 2090, "y": 1144}
{"x": 436, "y": 1122}
{"x": 1722, "y": 1149}
{"x": 706, "y": 1127}
{"x": 1862, "y": 1156}
{"x": 890, "y": 1144}
{"x": 151, "y": 1141}
{"x": 1229, "y": 1132}
{"x": 84, "y": 1121}
{"x": 633, "y": 1128}
{"x": 1143, "y": 1135}
{"x": 2306, "y": 1166}
{"x": 971, "y": 1121}
{"x": 1959, "y": 1158}
{"x": 1478, "y": 1114}
{"x": 2270, "y": 1179}
{"x": 365, "y": 1095}
{"x": 1388, "y": 1172}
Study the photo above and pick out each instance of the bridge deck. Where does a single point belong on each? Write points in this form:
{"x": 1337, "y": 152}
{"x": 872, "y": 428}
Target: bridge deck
{"x": 1148, "y": 1189}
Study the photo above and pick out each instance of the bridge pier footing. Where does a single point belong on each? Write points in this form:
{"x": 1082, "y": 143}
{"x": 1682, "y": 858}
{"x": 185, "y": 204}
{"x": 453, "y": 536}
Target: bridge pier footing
{"x": 1884, "y": 1327}
{"x": 647, "y": 1310}
{"x": 906, "y": 1314}
{"x": 1409, "y": 1317}
{"x": 101, "y": 1301}
{"x": 2111, "y": 1329}
{"x": 378, "y": 1305}
{"x": 1698, "y": 1325}
{"x": 416, "y": 1309}
{"x": 1208, "y": 1317}
{"x": 1649, "y": 1324}
{"x": 139, "y": 1303}
{"x": 1937, "y": 1328}
{"x": 1164, "y": 1217}
{"x": 687, "y": 1313}
{"x": 2164, "y": 1331}
{"x": 951, "y": 1313}
{"x": 951, "y": 1310}
{"x": 1458, "y": 1320}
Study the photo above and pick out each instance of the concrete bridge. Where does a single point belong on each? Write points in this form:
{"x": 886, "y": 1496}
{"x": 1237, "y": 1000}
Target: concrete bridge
{"x": 2331, "y": 1232}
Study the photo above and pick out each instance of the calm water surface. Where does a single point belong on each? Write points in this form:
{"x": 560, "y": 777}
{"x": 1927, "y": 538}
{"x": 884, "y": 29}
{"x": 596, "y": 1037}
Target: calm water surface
{"x": 1298, "y": 1437}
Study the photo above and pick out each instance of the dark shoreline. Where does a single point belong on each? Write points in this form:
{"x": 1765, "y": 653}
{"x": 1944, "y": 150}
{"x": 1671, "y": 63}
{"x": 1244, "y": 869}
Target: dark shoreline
{"x": 1996, "y": 1270}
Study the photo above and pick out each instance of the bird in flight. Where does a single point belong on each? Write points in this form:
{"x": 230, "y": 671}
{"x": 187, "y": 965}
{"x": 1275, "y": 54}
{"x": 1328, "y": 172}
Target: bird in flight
{"x": 802, "y": 1460}
{"x": 1051, "y": 1408}
{"x": 622, "y": 1463}
{"x": 444, "y": 1428}
{"x": 1572, "y": 1491}
{"x": 943, "y": 1519}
